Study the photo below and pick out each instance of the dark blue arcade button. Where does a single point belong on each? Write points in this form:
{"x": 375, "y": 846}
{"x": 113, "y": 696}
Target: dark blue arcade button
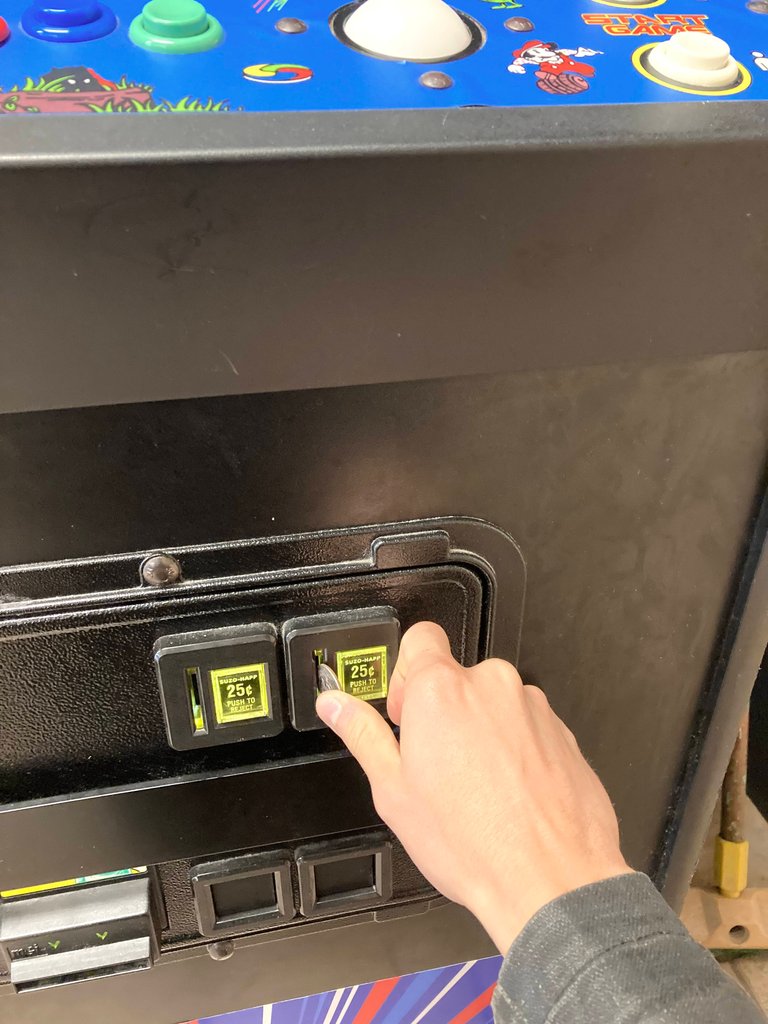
{"x": 68, "y": 21}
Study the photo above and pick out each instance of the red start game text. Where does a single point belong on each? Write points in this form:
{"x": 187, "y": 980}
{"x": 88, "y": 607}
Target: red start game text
{"x": 647, "y": 25}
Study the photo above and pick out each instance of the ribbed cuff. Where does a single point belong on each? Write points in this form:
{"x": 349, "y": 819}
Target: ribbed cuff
{"x": 566, "y": 935}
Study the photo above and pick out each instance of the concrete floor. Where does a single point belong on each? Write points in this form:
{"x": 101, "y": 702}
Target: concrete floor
{"x": 750, "y": 970}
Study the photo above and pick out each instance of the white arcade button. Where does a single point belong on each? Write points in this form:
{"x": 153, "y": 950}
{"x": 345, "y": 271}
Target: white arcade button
{"x": 696, "y": 59}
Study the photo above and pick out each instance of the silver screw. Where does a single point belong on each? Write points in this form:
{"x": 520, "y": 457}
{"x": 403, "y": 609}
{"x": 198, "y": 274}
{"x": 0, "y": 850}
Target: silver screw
{"x": 436, "y": 80}
{"x": 291, "y": 26}
{"x": 221, "y": 950}
{"x": 160, "y": 570}
{"x": 519, "y": 24}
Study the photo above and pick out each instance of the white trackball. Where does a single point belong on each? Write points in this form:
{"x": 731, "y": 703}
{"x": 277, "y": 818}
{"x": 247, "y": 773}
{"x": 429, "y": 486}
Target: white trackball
{"x": 424, "y": 30}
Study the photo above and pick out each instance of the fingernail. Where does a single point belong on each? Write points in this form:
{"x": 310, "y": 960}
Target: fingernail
{"x": 328, "y": 707}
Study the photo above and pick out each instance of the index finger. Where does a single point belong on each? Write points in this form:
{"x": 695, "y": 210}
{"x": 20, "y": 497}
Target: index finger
{"x": 423, "y": 640}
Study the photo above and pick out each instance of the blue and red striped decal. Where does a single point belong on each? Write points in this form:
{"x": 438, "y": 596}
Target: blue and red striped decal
{"x": 460, "y": 994}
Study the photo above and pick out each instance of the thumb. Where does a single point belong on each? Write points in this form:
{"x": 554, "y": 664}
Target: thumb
{"x": 366, "y": 734}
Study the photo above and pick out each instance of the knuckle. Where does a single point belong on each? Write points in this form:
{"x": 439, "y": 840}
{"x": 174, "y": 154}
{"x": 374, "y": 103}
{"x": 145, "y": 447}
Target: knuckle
{"x": 423, "y": 631}
{"x": 537, "y": 696}
{"x": 505, "y": 672}
{"x": 569, "y": 737}
{"x": 423, "y": 640}
{"x": 437, "y": 671}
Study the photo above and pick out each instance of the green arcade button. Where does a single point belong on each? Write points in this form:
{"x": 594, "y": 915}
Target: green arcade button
{"x": 175, "y": 26}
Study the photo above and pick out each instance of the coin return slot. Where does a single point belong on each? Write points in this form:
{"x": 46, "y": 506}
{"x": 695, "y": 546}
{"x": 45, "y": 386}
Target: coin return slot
{"x": 244, "y": 893}
{"x": 344, "y": 875}
{"x": 243, "y": 896}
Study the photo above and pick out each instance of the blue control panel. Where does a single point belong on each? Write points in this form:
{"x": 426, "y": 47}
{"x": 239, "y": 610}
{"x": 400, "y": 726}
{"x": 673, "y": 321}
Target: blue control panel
{"x": 78, "y": 57}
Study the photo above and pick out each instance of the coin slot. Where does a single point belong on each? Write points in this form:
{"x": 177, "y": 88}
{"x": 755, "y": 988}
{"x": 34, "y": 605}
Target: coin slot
{"x": 319, "y": 657}
{"x": 196, "y": 702}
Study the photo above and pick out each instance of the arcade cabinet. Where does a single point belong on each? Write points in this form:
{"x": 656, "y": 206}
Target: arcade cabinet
{"x": 318, "y": 320}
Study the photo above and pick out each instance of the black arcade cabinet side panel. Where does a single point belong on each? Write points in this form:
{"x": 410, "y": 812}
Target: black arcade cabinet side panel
{"x": 637, "y": 517}
{"x": 156, "y": 285}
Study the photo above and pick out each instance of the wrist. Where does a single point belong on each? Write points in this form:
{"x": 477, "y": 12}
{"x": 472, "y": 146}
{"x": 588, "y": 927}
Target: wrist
{"x": 506, "y": 908}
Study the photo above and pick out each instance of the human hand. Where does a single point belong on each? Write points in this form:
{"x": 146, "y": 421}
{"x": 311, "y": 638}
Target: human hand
{"x": 487, "y": 789}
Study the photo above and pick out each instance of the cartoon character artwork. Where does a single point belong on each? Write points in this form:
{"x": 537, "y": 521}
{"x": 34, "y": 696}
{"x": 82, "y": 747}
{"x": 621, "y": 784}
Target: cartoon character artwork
{"x": 77, "y": 79}
{"x": 503, "y": 5}
{"x": 277, "y": 74}
{"x": 557, "y": 70}
{"x": 70, "y": 90}
{"x": 760, "y": 59}
{"x": 80, "y": 89}
{"x": 269, "y": 5}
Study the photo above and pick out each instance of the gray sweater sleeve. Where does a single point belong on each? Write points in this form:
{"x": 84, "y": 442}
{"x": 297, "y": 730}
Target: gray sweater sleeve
{"x": 614, "y": 953}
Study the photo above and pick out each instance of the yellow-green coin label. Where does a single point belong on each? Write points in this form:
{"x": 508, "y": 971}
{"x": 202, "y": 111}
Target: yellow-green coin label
{"x": 240, "y": 693}
{"x": 363, "y": 673}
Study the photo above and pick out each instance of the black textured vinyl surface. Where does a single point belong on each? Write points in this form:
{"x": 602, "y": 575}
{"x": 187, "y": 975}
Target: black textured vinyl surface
{"x": 537, "y": 255}
{"x": 79, "y": 696}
